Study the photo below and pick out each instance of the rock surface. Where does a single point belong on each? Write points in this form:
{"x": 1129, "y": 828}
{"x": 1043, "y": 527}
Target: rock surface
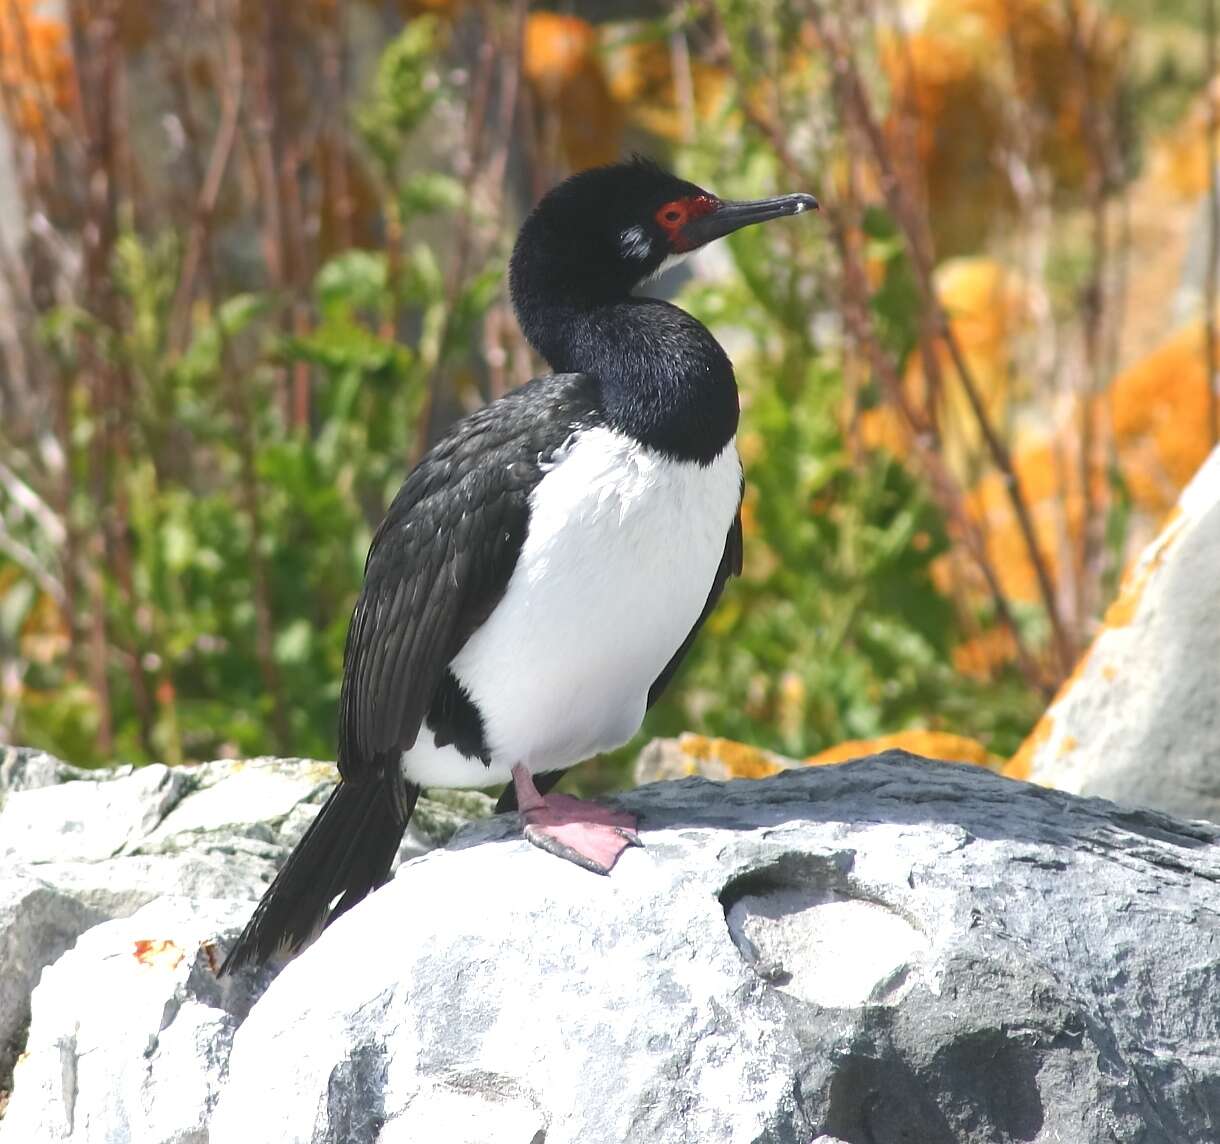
{"x": 889, "y": 951}
{"x": 892, "y": 950}
{"x": 1139, "y": 721}
{"x": 82, "y": 847}
{"x": 131, "y": 1030}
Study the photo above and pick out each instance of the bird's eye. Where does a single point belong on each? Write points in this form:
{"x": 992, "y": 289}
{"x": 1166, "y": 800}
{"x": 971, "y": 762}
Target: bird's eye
{"x": 672, "y": 215}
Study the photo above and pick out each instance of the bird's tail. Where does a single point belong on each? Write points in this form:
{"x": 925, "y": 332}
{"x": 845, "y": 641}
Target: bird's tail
{"x": 344, "y": 855}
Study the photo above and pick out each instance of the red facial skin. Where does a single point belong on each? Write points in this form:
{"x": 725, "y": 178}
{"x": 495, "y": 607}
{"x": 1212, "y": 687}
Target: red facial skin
{"x": 673, "y": 216}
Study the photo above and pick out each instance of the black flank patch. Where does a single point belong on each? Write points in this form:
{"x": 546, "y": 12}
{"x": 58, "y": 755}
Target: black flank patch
{"x": 455, "y": 721}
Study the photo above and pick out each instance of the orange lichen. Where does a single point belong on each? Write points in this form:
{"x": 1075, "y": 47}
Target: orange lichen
{"x": 556, "y": 50}
{"x": 988, "y": 307}
{"x": 1051, "y": 485}
{"x": 561, "y": 62}
{"x": 1159, "y": 409}
{"x": 932, "y": 744}
{"x": 1020, "y": 765}
{"x": 1122, "y": 611}
{"x": 980, "y": 656}
{"x": 884, "y": 428}
{"x": 158, "y": 953}
{"x": 1179, "y": 160}
{"x": 951, "y": 103}
{"x": 641, "y": 73}
{"x": 36, "y": 76}
{"x": 738, "y": 759}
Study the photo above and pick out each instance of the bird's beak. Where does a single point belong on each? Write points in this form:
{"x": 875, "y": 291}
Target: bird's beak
{"x": 731, "y": 216}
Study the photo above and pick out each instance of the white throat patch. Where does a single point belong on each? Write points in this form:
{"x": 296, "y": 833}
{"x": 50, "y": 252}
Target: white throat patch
{"x": 668, "y": 263}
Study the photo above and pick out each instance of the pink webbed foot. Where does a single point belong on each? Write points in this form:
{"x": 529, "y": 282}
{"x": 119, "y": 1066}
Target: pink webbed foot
{"x": 586, "y": 833}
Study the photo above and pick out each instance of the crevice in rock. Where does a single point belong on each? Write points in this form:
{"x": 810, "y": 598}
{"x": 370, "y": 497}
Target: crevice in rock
{"x": 9, "y": 1052}
{"x": 355, "y": 1096}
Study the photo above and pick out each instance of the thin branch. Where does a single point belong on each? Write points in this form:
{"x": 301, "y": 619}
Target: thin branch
{"x": 922, "y": 430}
{"x": 21, "y": 554}
{"x": 851, "y": 94}
{"x": 230, "y": 90}
{"x": 25, "y": 498}
{"x": 1094, "y": 310}
{"x": 1211, "y": 286}
{"x": 333, "y": 78}
{"x": 493, "y": 170}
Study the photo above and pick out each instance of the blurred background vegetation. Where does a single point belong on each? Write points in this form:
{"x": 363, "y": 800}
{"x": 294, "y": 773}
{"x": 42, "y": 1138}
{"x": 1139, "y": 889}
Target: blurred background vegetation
{"x": 251, "y": 265}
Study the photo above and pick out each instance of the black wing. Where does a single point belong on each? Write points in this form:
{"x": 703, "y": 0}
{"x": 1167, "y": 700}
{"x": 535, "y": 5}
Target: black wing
{"x": 441, "y": 560}
{"x": 730, "y": 565}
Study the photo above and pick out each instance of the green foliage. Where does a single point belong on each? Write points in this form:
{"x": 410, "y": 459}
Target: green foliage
{"x": 221, "y": 481}
{"x": 405, "y": 89}
{"x": 836, "y": 629}
{"x": 235, "y": 492}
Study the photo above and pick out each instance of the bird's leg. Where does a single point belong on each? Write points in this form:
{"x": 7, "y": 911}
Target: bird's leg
{"x": 586, "y": 833}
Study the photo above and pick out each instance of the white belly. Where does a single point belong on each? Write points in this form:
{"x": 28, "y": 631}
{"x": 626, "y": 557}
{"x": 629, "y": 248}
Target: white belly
{"x": 622, "y": 549}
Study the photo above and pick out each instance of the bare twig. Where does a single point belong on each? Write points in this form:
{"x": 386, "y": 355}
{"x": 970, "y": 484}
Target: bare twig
{"x": 922, "y": 428}
{"x": 25, "y": 498}
{"x": 333, "y": 78}
{"x": 850, "y": 93}
{"x": 93, "y": 34}
{"x": 24, "y": 556}
{"x": 259, "y": 130}
{"x": 1213, "y": 232}
{"x": 1094, "y": 308}
{"x": 230, "y": 95}
{"x": 489, "y": 167}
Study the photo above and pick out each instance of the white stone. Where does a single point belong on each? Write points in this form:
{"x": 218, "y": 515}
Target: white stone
{"x": 83, "y": 847}
{"x": 130, "y": 1032}
{"x": 246, "y": 794}
{"x": 1139, "y": 722}
{"x": 87, "y": 819}
{"x": 888, "y": 949}
{"x": 963, "y": 958}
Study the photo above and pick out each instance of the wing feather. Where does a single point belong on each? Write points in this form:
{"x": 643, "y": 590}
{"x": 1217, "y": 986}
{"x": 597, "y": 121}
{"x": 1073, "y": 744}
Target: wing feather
{"x": 441, "y": 560}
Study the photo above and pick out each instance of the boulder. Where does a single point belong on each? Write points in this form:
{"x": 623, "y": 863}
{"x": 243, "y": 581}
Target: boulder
{"x": 888, "y": 950}
{"x": 131, "y": 1031}
{"x": 81, "y": 847}
{"x": 1139, "y": 721}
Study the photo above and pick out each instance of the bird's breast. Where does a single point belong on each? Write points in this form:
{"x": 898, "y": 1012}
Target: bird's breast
{"x": 621, "y": 551}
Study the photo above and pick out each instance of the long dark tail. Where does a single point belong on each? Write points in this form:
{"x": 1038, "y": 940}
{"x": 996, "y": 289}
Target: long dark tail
{"x": 345, "y": 854}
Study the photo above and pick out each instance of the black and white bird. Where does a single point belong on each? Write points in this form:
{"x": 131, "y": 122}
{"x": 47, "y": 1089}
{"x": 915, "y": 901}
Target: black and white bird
{"x": 545, "y": 568}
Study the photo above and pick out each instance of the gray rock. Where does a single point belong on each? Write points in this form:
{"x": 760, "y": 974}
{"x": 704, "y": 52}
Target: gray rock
{"x": 1139, "y": 722}
{"x": 87, "y": 820}
{"x": 889, "y": 950}
{"x": 131, "y": 1031}
{"x": 38, "y": 922}
{"x": 74, "y": 844}
{"x": 22, "y": 768}
{"x": 81, "y": 847}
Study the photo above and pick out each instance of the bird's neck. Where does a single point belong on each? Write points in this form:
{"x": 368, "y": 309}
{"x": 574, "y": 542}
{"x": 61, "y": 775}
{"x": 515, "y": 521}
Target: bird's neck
{"x": 664, "y": 379}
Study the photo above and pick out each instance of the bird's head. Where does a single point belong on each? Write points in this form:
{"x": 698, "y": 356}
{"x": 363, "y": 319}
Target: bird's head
{"x": 600, "y": 233}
